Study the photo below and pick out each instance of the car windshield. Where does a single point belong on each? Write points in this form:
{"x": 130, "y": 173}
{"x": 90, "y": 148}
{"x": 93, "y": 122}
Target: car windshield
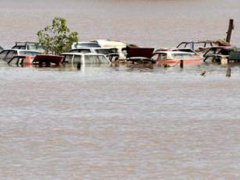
{"x": 28, "y": 53}
{"x": 159, "y": 56}
{"x": 93, "y": 59}
{"x": 183, "y": 56}
{"x": 185, "y": 45}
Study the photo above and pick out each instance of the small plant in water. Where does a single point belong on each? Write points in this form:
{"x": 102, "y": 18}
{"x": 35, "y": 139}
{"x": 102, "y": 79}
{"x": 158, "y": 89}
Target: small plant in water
{"x": 57, "y": 37}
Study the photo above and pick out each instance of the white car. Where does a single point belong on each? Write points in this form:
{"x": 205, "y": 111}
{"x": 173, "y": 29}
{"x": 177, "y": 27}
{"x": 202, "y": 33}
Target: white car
{"x": 84, "y": 58}
{"x": 110, "y": 53}
{"x": 102, "y": 43}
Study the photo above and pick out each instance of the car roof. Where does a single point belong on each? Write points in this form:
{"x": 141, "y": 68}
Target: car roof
{"x": 83, "y": 54}
{"x": 21, "y": 50}
{"x": 87, "y": 48}
{"x": 174, "y": 52}
{"x": 222, "y": 47}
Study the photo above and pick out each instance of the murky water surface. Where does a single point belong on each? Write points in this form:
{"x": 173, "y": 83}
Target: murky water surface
{"x": 120, "y": 122}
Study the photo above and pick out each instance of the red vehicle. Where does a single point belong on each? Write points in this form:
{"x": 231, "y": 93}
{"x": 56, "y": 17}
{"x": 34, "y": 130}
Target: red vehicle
{"x": 173, "y": 58}
{"x": 41, "y": 60}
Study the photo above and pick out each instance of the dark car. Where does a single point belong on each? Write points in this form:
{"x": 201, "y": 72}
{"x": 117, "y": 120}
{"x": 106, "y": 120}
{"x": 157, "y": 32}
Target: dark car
{"x": 221, "y": 50}
{"x": 140, "y": 55}
{"x": 217, "y": 54}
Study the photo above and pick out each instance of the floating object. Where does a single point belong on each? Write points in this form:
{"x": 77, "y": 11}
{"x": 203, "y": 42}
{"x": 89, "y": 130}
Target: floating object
{"x": 203, "y": 73}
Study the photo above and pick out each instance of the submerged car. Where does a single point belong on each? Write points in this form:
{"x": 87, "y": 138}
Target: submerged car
{"x": 220, "y": 54}
{"x": 111, "y": 53}
{"x": 41, "y": 60}
{"x": 140, "y": 55}
{"x": 84, "y": 58}
{"x": 220, "y": 50}
{"x": 8, "y": 54}
{"x": 173, "y": 58}
{"x": 234, "y": 56}
{"x": 102, "y": 43}
{"x": 201, "y": 46}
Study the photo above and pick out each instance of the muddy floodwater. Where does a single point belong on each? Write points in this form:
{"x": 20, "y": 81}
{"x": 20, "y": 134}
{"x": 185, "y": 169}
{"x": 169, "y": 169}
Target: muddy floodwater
{"x": 120, "y": 122}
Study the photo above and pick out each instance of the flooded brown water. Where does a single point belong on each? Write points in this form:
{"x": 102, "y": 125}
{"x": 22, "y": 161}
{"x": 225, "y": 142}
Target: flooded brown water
{"x": 120, "y": 122}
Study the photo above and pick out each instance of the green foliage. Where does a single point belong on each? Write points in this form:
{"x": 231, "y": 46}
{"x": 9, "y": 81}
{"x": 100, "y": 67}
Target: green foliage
{"x": 57, "y": 38}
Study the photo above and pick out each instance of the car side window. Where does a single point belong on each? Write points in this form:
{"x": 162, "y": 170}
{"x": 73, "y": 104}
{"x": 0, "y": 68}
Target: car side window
{"x": 3, "y": 54}
{"x": 68, "y": 58}
{"x": 77, "y": 59}
{"x": 155, "y": 57}
{"x": 162, "y": 56}
{"x": 11, "y": 54}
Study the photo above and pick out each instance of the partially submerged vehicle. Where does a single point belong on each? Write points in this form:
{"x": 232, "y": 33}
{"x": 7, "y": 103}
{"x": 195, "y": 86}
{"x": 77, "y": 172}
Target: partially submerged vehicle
{"x": 220, "y": 54}
{"x": 84, "y": 58}
{"x": 34, "y": 46}
{"x": 139, "y": 55}
{"x": 41, "y": 60}
{"x": 219, "y": 50}
{"x": 111, "y": 53}
{"x": 102, "y": 43}
{"x": 8, "y": 54}
{"x": 172, "y": 58}
{"x": 234, "y": 56}
{"x": 201, "y": 46}
{"x": 47, "y": 60}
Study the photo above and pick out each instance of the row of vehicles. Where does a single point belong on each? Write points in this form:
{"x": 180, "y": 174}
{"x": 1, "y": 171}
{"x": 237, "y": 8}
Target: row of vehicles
{"x": 106, "y": 51}
{"x": 82, "y": 52}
